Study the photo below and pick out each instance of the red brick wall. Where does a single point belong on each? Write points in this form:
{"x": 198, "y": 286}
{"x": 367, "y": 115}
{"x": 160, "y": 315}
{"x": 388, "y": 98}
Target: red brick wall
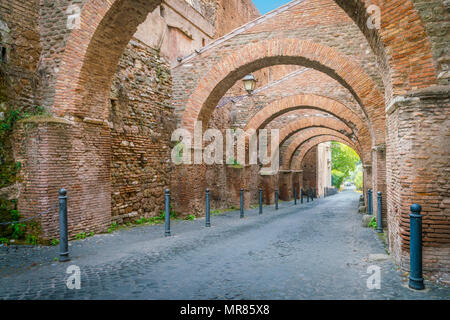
{"x": 65, "y": 145}
{"x": 309, "y": 167}
{"x": 418, "y": 154}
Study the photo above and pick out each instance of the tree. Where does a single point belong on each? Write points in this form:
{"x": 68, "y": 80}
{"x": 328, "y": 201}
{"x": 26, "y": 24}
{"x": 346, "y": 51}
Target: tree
{"x": 344, "y": 161}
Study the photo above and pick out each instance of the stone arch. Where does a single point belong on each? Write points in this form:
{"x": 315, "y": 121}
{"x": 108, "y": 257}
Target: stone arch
{"x": 262, "y": 54}
{"x": 298, "y": 159}
{"x": 307, "y": 134}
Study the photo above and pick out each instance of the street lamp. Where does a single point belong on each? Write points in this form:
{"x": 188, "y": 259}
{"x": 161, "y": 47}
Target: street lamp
{"x": 249, "y": 83}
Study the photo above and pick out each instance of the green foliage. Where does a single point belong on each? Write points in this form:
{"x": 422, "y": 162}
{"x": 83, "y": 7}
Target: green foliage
{"x": 338, "y": 178}
{"x": 234, "y": 163}
{"x": 32, "y": 239}
{"x": 9, "y": 170}
{"x": 54, "y": 242}
{"x": 80, "y": 236}
{"x": 372, "y": 223}
{"x": 178, "y": 150}
{"x": 142, "y": 221}
{"x": 18, "y": 230}
{"x": 114, "y": 226}
{"x": 344, "y": 161}
{"x": 4, "y": 240}
{"x": 358, "y": 179}
{"x": 190, "y": 217}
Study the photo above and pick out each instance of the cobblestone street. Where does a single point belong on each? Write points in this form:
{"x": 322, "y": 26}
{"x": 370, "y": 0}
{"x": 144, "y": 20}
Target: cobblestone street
{"x": 315, "y": 250}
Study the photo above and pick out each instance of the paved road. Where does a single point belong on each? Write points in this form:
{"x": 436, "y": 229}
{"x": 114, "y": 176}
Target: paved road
{"x": 310, "y": 251}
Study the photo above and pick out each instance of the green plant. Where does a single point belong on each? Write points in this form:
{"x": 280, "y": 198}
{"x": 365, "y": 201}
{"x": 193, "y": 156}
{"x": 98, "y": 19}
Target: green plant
{"x": 54, "y": 242}
{"x": 18, "y": 230}
{"x": 190, "y": 217}
{"x": 4, "y": 241}
{"x": 32, "y": 239}
{"x": 9, "y": 172}
{"x": 80, "y": 236}
{"x": 91, "y": 234}
{"x": 113, "y": 227}
{"x": 372, "y": 223}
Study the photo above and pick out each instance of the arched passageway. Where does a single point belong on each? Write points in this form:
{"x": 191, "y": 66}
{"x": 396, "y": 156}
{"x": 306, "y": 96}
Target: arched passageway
{"x": 391, "y": 73}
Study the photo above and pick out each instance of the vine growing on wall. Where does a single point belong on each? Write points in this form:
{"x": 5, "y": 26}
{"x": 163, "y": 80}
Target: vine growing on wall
{"x": 9, "y": 168}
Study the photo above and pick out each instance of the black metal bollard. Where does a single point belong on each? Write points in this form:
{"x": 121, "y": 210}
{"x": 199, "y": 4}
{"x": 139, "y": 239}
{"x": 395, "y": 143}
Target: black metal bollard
{"x": 295, "y": 196}
{"x": 369, "y": 202}
{"x": 276, "y": 199}
{"x": 260, "y": 201}
{"x": 379, "y": 217}
{"x": 63, "y": 233}
{"x": 242, "y": 203}
{"x": 301, "y": 196}
{"x": 415, "y": 245}
{"x": 311, "y": 194}
{"x": 167, "y": 212}
{"x": 208, "y": 210}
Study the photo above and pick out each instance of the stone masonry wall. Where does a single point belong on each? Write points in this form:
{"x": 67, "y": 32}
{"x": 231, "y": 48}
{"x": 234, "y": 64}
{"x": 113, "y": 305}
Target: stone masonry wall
{"x": 142, "y": 123}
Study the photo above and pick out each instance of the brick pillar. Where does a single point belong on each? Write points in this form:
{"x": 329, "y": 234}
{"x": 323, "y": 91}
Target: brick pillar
{"x": 237, "y": 178}
{"x": 300, "y": 179}
{"x": 297, "y": 180}
{"x": 188, "y": 187}
{"x": 379, "y": 180}
{"x": 367, "y": 182}
{"x": 285, "y": 185}
{"x": 269, "y": 182}
{"x": 56, "y": 153}
{"x": 417, "y": 160}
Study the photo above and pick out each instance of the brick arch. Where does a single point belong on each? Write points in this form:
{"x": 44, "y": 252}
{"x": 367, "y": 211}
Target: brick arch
{"x": 298, "y": 159}
{"x": 318, "y": 122}
{"x": 255, "y": 56}
{"x": 399, "y": 44}
{"x": 311, "y": 101}
{"x": 92, "y": 53}
{"x": 313, "y": 122}
{"x": 307, "y": 134}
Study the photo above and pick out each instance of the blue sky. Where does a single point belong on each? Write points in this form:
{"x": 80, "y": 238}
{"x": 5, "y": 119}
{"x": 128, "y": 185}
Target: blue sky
{"x": 265, "y": 6}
